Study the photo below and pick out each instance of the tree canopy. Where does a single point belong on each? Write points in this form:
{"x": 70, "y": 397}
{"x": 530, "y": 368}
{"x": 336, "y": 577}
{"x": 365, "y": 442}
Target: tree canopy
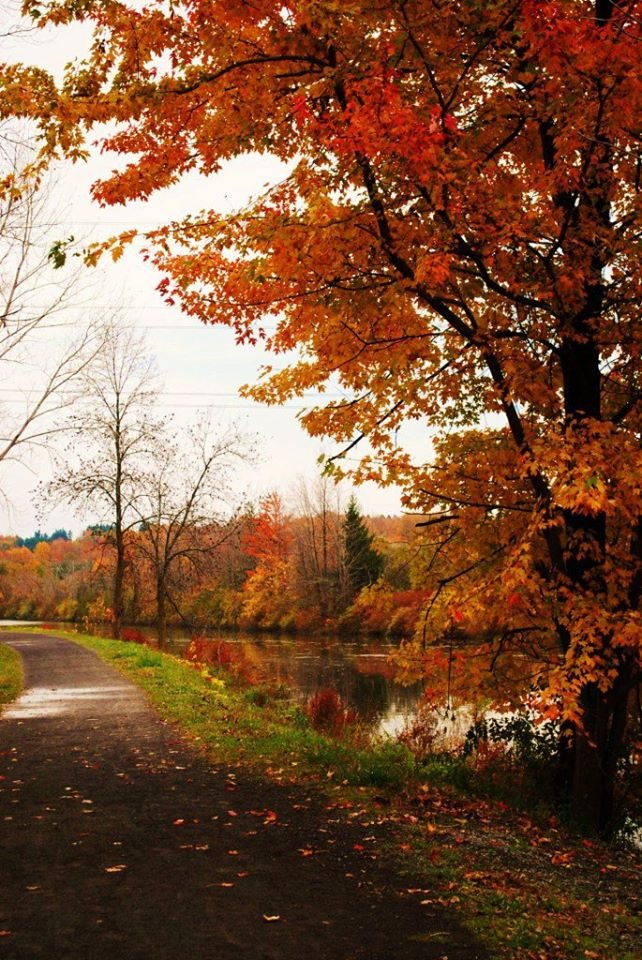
{"x": 456, "y": 242}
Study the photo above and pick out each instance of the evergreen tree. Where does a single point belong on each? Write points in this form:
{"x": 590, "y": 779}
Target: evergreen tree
{"x": 362, "y": 563}
{"x": 31, "y": 542}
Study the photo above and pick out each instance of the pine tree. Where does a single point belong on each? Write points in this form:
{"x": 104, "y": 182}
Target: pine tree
{"x": 363, "y": 565}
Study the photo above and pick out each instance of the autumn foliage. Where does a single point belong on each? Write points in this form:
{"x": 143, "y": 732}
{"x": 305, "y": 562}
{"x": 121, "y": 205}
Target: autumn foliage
{"x": 243, "y": 585}
{"x": 456, "y": 242}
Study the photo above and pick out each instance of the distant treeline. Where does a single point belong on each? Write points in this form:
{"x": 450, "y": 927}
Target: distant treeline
{"x": 38, "y": 537}
{"x": 318, "y": 568}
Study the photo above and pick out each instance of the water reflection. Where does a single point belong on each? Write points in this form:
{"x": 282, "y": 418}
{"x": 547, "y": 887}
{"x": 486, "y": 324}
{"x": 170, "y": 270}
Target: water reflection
{"x": 359, "y": 670}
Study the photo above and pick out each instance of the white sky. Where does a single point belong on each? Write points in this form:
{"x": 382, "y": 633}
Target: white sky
{"x": 200, "y": 366}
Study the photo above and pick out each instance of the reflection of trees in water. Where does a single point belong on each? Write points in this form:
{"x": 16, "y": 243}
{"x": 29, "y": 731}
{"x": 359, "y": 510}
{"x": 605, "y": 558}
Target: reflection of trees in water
{"x": 358, "y": 671}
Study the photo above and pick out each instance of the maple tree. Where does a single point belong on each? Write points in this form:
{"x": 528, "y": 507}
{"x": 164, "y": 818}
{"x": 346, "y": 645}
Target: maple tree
{"x": 455, "y": 242}
{"x": 266, "y": 538}
{"x": 269, "y": 599}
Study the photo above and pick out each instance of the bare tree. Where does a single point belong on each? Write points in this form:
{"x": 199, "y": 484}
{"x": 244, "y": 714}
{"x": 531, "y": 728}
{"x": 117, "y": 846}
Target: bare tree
{"x": 317, "y": 543}
{"x": 114, "y": 426}
{"x": 39, "y": 358}
{"x": 189, "y": 502}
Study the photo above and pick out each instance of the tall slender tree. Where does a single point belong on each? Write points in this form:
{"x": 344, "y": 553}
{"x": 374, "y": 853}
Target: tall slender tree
{"x": 114, "y": 429}
{"x": 362, "y": 564}
{"x": 316, "y": 545}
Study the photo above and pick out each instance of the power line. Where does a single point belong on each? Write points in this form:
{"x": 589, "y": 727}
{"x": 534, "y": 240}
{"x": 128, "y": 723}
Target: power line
{"x": 197, "y": 393}
{"x": 206, "y": 406}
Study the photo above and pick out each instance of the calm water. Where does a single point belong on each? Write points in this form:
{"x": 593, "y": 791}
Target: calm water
{"x": 358, "y": 669}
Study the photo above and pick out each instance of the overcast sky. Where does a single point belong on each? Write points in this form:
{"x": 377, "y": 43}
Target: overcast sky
{"x": 200, "y": 366}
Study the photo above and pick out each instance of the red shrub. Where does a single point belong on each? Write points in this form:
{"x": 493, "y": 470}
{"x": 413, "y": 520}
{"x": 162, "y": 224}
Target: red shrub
{"x": 224, "y": 656}
{"x": 132, "y": 634}
{"x": 327, "y": 711}
{"x": 198, "y": 650}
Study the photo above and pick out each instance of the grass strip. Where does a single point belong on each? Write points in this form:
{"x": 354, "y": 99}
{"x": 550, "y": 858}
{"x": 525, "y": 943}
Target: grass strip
{"x": 257, "y": 726}
{"x": 10, "y": 674}
{"x": 527, "y": 889}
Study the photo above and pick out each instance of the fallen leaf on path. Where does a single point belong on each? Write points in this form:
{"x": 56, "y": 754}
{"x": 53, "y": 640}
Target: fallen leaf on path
{"x": 178, "y": 823}
{"x": 306, "y": 852}
{"x": 271, "y": 919}
{"x": 562, "y": 859}
{"x": 117, "y": 868}
{"x": 233, "y": 853}
{"x": 5, "y": 933}
{"x": 270, "y": 817}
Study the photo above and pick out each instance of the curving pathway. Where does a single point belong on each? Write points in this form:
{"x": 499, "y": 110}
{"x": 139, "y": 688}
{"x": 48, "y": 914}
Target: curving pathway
{"x": 121, "y": 842}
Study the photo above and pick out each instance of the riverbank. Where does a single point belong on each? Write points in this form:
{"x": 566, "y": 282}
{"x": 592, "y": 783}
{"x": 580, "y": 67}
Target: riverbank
{"x": 121, "y": 840}
{"x": 359, "y": 669}
{"x": 525, "y": 887}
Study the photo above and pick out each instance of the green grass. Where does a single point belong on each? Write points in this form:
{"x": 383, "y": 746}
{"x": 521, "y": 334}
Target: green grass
{"x": 10, "y": 674}
{"x": 471, "y": 855}
{"x": 260, "y": 728}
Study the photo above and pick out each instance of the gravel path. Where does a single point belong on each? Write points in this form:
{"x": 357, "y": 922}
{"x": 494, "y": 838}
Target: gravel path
{"x": 121, "y": 842}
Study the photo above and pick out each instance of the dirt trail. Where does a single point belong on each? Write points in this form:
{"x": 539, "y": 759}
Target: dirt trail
{"x": 121, "y": 842}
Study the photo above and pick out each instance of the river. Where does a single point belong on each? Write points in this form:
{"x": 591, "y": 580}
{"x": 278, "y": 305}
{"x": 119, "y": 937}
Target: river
{"x": 359, "y": 669}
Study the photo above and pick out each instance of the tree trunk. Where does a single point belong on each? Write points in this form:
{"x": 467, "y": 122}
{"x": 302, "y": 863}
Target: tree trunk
{"x": 588, "y": 757}
{"x": 119, "y": 576}
{"x": 161, "y": 615}
{"x": 593, "y": 788}
{"x": 119, "y": 580}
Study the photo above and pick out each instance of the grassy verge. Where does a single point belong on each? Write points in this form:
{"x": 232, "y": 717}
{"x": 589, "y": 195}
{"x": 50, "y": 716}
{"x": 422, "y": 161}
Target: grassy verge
{"x": 10, "y": 674}
{"x": 525, "y": 887}
{"x": 258, "y": 726}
